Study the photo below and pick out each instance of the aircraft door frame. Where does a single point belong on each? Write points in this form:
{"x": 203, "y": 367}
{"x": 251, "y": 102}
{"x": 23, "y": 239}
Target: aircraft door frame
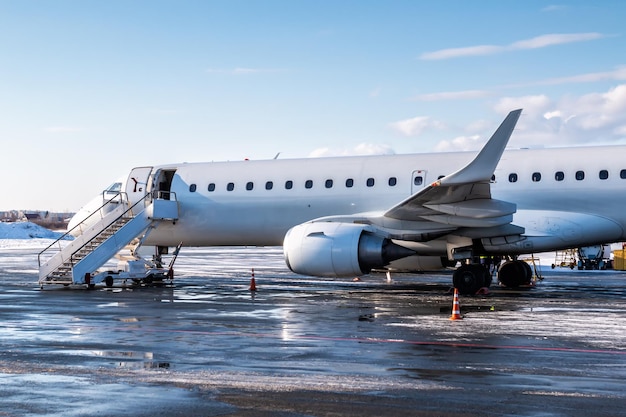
{"x": 162, "y": 183}
{"x": 418, "y": 180}
{"x": 137, "y": 184}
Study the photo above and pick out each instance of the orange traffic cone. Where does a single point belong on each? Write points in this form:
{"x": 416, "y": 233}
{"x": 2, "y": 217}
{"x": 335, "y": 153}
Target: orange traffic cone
{"x": 252, "y": 282}
{"x": 456, "y": 309}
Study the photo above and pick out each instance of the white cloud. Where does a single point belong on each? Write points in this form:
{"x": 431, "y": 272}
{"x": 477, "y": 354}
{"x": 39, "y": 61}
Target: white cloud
{"x": 360, "y": 149}
{"x": 541, "y": 41}
{"x": 248, "y": 70}
{"x": 452, "y": 95}
{"x": 459, "y": 52}
{"x": 554, "y": 8}
{"x": 531, "y": 104}
{"x": 552, "y": 115}
{"x": 618, "y": 74}
{"x": 416, "y": 125}
{"x": 461, "y": 143}
{"x": 554, "y": 39}
{"x": 594, "y": 118}
{"x": 586, "y": 119}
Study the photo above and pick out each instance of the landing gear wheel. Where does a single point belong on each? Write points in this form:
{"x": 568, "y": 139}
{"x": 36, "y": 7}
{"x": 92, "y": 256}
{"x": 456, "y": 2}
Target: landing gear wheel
{"x": 468, "y": 279}
{"x": 513, "y": 274}
{"x": 528, "y": 279}
{"x": 108, "y": 281}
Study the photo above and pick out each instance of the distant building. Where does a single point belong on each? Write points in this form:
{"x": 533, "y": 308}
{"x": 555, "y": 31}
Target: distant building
{"x": 52, "y": 221}
{"x": 32, "y": 216}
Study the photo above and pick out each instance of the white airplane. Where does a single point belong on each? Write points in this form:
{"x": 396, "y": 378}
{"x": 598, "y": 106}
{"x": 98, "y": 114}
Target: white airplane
{"x": 347, "y": 216}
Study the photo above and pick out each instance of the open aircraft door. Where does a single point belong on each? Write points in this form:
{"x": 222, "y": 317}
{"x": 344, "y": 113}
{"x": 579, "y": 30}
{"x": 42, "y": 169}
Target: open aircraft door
{"x": 162, "y": 184}
{"x": 137, "y": 184}
{"x": 418, "y": 181}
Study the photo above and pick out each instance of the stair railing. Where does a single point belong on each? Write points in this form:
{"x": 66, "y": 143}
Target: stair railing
{"x": 118, "y": 198}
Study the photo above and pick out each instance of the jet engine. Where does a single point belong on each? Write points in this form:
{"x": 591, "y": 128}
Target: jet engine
{"x": 328, "y": 249}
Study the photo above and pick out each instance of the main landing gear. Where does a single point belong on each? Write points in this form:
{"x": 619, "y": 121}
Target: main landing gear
{"x": 470, "y": 278}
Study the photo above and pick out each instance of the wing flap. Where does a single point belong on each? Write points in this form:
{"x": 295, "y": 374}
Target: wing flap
{"x": 478, "y": 209}
{"x": 460, "y": 221}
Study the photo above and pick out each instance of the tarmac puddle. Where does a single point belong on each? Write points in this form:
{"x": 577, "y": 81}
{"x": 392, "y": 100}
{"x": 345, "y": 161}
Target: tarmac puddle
{"x": 570, "y": 310}
{"x": 122, "y": 359}
{"x": 54, "y": 395}
{"x": 275, "y": 313}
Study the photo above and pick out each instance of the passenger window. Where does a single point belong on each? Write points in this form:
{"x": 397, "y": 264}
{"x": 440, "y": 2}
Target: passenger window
{"x": 493, "y": 178}
{"x": 211, "y": 187}
{"x": 622, "y": 174}
{"x": 329, "y": 184}
{"x": 418, "y": 180}
{"x": 559, "y": 175}
{"x": 604, "y": 174}
{"x": 393, "y": 181}
{"x": 192, "y": 188}
{"x": 512, "y": 177}
{"x": 288, "y": 185}
{"x": 269, "y": 185}
{"x": 308, "y": 184}
{"x": 230, "y": 186}
{"x": 350, "y": 182}
{"x": 536, "y": 176}
{"x": 580, "y": 175}
{"x": 249, "y": 186}
{"x": 370, "y": 182}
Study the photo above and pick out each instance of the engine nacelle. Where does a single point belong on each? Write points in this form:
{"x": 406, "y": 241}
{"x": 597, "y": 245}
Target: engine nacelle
{"x": 328, "y": 249}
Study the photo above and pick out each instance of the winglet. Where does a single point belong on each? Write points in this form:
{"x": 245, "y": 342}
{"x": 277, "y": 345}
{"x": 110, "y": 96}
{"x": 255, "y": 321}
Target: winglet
{"x": 483, "y": 166}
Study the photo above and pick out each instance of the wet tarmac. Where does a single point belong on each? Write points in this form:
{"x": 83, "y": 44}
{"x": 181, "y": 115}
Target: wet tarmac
{"x": 299, "y": 346}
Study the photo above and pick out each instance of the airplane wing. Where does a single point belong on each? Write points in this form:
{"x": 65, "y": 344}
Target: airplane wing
{"x": 463, "y": 198}
{"x": 353, "y": 244}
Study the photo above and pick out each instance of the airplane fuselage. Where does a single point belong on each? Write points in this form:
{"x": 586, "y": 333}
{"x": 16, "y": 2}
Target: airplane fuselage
{"x": 256, "y": 202}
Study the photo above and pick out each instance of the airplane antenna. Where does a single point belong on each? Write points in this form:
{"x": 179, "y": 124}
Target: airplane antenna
{"x": 276, "y": 157}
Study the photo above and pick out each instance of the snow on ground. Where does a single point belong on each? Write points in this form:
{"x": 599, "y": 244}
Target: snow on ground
{"x": 26, "y": 234}
{"x": 26, "y": 230}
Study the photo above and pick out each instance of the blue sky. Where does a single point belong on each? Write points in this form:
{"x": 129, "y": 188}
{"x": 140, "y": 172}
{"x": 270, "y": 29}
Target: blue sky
{"x": 90, "y": 89}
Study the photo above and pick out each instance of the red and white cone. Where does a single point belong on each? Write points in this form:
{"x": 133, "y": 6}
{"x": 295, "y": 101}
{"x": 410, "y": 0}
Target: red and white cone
{"x": 252, "y": 282}
{"x": 456, "y": 308}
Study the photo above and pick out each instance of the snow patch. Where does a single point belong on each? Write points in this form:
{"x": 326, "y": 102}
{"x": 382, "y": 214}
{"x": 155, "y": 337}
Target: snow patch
{"x": 26, "y": 230}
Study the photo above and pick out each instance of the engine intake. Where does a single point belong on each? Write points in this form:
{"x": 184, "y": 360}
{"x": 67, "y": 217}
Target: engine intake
{"x": 338, "y": 249}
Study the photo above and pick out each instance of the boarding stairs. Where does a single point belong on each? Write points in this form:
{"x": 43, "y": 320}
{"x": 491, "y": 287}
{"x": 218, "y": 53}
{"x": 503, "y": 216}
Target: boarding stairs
{"x": 101, "y": 236}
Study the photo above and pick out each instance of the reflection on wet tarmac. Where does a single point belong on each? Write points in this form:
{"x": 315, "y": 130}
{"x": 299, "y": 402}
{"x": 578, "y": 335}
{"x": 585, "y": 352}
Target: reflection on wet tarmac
{"x": 369, "y": 341}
